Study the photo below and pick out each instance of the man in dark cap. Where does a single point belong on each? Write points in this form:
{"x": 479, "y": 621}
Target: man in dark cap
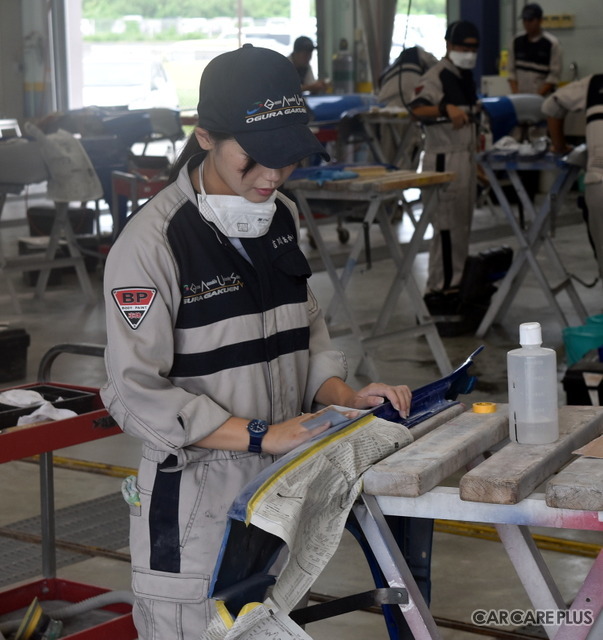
{"x": 535, "y": 59}
{"x": 303, "y": 48}
{"x": 446, "y": 103}
{"x": 534, "y": 64}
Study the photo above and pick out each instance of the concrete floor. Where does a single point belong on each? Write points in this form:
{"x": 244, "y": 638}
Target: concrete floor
{"x": 467, "y": 573}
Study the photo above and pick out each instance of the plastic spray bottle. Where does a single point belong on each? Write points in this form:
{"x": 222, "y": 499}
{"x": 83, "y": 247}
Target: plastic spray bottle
{"x": 532, "y": 379}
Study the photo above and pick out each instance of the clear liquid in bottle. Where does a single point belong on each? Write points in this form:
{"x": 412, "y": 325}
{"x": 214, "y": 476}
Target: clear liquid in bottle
{"x": 532, "y": 380}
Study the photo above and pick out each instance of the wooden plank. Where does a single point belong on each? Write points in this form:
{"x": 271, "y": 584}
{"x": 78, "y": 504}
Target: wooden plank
{"x": 312, "y": 185}
{"x": 427, "y": 426}
{"x": 368, "y": 170}
{"x": 402, "y": 180}
{"x": 391, "y": 181}
{"x": 420, "y": 466}
{"x": 385, "y": 115}
{"x": 514, "y": 471}
{"x": 578, "y": 486}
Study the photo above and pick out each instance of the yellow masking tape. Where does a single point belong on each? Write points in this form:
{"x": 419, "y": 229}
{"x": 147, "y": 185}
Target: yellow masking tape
{"x": 484, "y": 407}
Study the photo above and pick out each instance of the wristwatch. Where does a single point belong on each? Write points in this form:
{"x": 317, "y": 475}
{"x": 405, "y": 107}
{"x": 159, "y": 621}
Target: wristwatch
{"x": 257, "y": 430}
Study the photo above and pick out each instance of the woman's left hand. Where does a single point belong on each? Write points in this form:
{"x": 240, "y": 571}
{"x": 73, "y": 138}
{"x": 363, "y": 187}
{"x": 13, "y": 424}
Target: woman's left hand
{"x": 377, "y": 393}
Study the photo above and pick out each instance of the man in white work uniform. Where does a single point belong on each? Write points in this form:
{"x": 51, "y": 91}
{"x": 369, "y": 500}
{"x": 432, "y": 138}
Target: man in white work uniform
{"x": 535, "y": 59}
{"x": 584, "y": 94}
{"x": 398, "y": 81}
{"x": 535, "y": 64}
{"x": 446, "y": 103}
{"x": 397, "y": 85}
{"x": 303, "y": 48}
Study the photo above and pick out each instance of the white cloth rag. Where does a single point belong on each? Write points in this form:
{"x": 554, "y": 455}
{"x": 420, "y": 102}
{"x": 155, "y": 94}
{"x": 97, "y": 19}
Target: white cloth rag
{"x": 21, "y": 398}
{"x": 46, "y": 413}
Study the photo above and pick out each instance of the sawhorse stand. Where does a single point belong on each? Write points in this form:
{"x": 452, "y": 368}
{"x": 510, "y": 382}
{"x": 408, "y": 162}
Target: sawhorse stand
{"x": 536, "y": 236}
{"x": 61, "y": 228}
{"x": 379, "y": 192}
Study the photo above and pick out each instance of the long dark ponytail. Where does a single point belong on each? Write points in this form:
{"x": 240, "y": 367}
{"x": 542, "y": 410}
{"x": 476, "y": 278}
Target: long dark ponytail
{"x": 192, "y": 148}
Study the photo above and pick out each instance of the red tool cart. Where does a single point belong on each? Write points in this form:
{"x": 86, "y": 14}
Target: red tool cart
{"x": 17, "y": 442}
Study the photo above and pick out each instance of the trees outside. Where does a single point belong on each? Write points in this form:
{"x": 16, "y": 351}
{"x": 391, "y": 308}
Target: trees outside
{"x": 111, "y": 9}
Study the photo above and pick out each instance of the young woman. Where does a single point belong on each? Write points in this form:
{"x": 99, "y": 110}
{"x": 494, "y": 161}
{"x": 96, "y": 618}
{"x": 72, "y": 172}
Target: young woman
{"x": 216, "y": 344}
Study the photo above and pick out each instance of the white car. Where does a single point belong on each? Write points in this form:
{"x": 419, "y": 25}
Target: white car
{"x": 136, "y": 84}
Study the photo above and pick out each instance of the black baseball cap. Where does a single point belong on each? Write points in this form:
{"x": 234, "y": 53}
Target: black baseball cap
{"x": 462, "y": 33}
{"x": 303, "y": 43}
{"x": 531, "y": 11}
{"x": 254, "y": 94}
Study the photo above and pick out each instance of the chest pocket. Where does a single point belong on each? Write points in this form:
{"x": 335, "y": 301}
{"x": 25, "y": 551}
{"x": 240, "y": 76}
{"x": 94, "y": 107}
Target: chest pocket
{"x": 293, "y": 263}
{"x": 291, "y": 272}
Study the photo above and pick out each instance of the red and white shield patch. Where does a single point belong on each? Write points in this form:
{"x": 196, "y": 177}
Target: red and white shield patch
{"x": 134, "y": 303}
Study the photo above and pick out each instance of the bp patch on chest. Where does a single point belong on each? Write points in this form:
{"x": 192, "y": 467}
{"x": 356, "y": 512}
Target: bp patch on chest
{"x": 134, "y": 303}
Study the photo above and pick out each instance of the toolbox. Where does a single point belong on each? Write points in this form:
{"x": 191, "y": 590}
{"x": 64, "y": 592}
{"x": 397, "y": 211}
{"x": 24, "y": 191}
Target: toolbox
{"x": 76, "y": 400}
{"x": 583, "y": 381}
{"x": 28, "y": 440}
{"x": 119, "y": 624}
{"x": 92, "y": 422}
{"x": 13, "y": 347}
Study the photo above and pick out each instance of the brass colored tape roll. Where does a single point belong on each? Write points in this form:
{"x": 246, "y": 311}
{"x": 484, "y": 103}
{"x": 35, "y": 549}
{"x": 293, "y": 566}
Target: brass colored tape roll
{"x": 484, "y": 407}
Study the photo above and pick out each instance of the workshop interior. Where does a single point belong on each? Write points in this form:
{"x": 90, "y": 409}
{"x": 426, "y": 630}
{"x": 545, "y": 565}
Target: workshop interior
{"x": 485, "y": 519}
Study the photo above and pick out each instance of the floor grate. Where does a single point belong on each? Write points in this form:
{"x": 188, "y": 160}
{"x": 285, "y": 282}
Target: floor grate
{"x": 101, "y": 522}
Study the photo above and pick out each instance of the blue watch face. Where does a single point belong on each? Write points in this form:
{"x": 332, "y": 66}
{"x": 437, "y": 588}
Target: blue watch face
{"x": 257, "y": 426}
{"x": 257, "y": 430}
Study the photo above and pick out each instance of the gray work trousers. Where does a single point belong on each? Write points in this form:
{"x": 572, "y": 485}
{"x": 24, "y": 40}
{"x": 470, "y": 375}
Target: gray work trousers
{"x": 187, "y": 515}
{"x": 452, "y": 214}
{"x": 593, "y": 194}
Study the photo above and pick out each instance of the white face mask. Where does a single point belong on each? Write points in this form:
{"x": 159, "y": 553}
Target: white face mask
{"x": 463, "y": 59}
{"x": 235, "y": 216}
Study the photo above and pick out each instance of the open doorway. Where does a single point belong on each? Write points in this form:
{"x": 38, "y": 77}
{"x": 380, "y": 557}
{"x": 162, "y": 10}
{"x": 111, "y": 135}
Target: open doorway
{"x": 171, "y": 42}
{"x": 419, "y": 22}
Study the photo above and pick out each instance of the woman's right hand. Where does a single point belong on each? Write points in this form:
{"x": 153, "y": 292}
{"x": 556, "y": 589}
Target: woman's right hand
{"x": 282, "y": 437}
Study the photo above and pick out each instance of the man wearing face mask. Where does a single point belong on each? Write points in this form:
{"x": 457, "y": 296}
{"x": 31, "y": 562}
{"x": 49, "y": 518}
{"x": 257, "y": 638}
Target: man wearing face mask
{"x": 446, "y": 104}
